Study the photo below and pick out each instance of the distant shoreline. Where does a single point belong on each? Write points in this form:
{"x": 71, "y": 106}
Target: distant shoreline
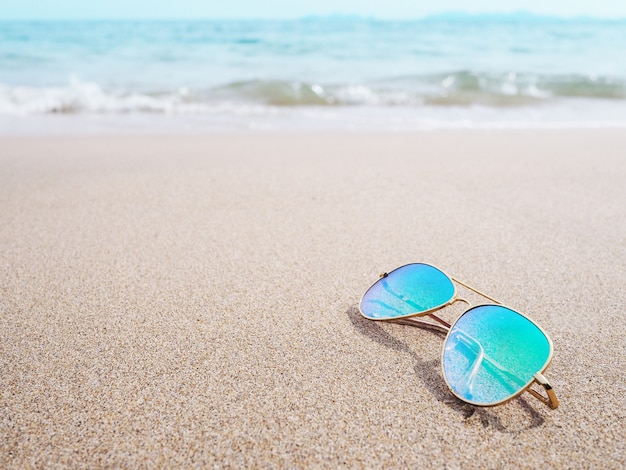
{"x": 454, "y": 16}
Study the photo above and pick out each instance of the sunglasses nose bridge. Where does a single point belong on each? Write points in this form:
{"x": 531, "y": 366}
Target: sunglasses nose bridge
{"x": 482, "y": 294}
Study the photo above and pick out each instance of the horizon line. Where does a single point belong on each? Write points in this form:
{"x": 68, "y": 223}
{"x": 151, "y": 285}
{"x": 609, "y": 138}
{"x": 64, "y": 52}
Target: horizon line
{"x": 453, "y": 15}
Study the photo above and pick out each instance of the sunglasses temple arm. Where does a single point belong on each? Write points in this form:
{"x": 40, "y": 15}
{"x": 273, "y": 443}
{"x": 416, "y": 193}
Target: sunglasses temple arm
{"x": 443, "y": 327}
{"x": 475, "y": 290}
{"x": 551, "y": 400}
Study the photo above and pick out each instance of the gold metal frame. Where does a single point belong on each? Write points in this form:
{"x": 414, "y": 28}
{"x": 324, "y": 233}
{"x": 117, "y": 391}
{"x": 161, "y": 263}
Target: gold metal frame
{"x": 443, "y": 326}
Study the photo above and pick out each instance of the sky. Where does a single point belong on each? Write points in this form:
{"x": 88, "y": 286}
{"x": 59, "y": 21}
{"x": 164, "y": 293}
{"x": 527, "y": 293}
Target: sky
{"x": 218, "y": 9}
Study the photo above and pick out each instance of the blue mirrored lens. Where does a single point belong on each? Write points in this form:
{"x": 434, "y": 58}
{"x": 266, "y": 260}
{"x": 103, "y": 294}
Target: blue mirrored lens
{"x": 493, "y": 352}
{"x": 409, "y": 290}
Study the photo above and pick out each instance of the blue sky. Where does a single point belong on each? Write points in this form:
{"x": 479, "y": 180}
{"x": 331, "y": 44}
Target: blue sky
{"x": 79, "y": 9}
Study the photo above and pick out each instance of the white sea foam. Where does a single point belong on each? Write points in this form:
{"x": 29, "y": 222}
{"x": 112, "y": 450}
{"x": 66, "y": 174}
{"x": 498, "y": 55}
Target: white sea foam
{"x": 86, "y": 97}
{"x": 460, "y": 89}
{"x": 239, "y": 118}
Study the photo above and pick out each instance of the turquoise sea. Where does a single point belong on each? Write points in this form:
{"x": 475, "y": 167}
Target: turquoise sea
{"x": 453, "y": 71}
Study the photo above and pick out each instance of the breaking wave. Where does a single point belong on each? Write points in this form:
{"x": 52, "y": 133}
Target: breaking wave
{"x": 456, "y": 89}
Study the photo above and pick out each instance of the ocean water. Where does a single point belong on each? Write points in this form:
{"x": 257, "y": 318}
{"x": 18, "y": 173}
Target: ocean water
{"x": 345, "y": 73}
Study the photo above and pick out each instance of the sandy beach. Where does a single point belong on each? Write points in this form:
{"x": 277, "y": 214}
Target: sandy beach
{"x": 191, "y": 301}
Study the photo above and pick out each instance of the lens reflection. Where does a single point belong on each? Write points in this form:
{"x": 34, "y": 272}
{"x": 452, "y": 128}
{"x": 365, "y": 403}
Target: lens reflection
{"x": 491, "y": 353}
{"x": 409, "y": 290}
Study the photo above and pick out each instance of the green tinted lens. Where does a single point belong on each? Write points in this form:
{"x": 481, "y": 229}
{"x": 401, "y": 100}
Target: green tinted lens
{"x": 491, "y": 353}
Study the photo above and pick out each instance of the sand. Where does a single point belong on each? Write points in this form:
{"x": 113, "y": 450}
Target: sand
{"x": 191, "y": 301}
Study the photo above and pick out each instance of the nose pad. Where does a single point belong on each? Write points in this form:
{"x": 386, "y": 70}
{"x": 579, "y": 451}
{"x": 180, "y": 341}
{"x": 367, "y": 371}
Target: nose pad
{"x": 474, "y": 353}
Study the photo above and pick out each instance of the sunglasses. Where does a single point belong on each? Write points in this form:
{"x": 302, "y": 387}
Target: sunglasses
{"x": 491, "y": 353}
